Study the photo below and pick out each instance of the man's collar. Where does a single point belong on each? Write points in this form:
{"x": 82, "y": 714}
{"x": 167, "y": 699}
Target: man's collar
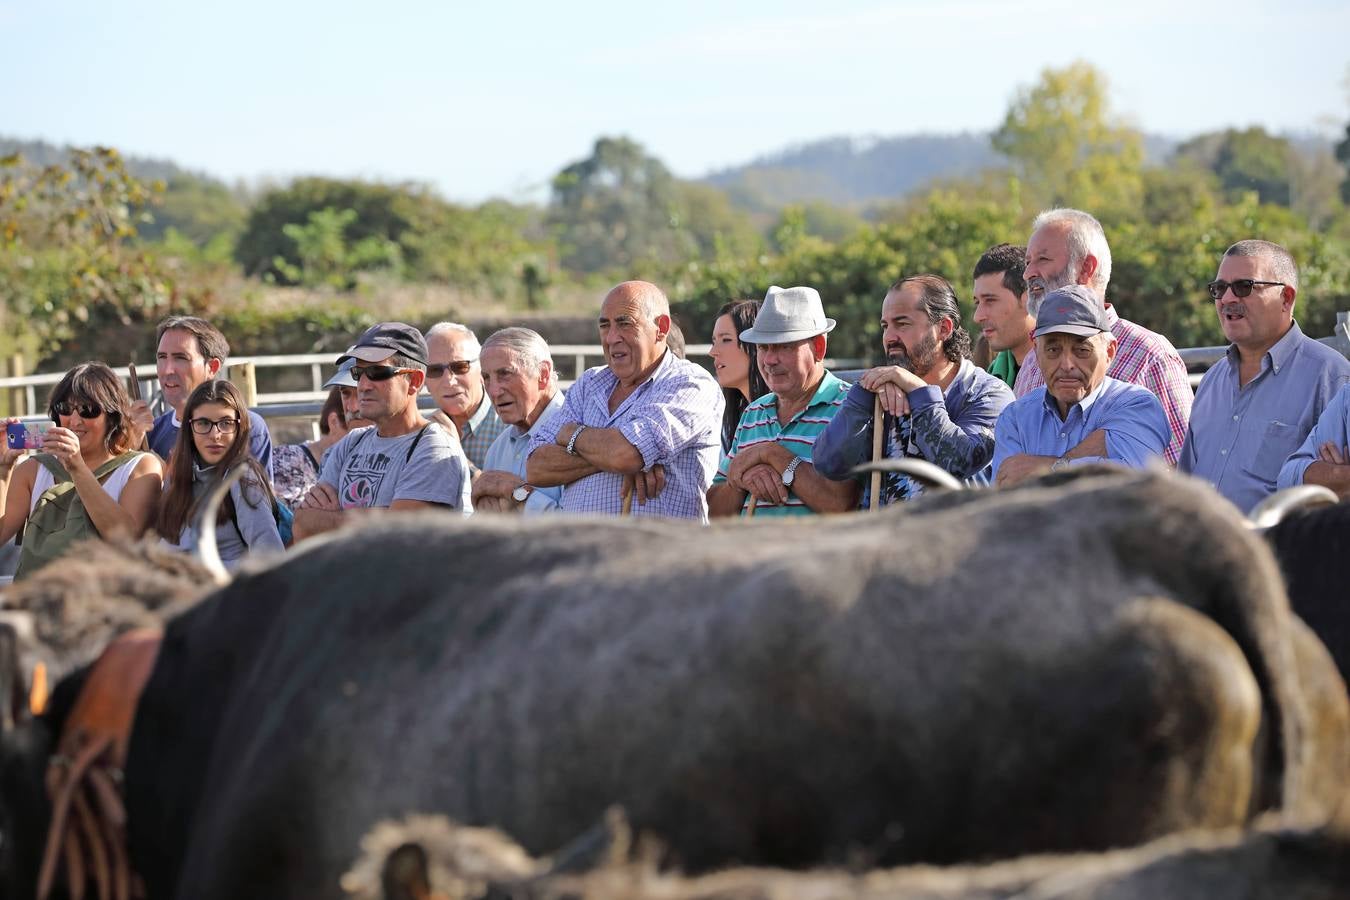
{"x": 554, "y": 403}
{"x": 479, "y": 414}
{"x": 1281, "y": 352}
{"x": 1085, "y": 404}
{"x": 177, "y": 423}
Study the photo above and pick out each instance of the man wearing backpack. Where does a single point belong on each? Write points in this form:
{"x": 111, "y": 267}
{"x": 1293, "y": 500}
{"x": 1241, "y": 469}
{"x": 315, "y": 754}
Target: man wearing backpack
{"x": 401, "y": 462}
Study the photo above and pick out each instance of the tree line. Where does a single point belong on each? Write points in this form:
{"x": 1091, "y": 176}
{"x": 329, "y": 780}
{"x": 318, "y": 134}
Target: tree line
{"x": 87, "y": 248}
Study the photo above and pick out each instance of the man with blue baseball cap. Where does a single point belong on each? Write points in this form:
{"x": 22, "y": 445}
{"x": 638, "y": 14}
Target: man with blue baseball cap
{"x": 1041, "y": 432}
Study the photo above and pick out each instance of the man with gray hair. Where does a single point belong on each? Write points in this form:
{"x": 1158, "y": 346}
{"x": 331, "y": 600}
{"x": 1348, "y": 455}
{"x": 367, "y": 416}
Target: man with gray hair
{"x": 1258, "y": 403}
{"x": 522, "y": 385}
{"x": 1068, "y": 246}
{"x": 644, "y": 426}
{"x": 1035, "y": 433}
{"x": 455, "y": 382}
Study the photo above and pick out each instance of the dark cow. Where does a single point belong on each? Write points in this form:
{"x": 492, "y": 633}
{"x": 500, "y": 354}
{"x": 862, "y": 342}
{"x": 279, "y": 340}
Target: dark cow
{"x": 790, "y": 693}
{"x": 1312, "y": 546}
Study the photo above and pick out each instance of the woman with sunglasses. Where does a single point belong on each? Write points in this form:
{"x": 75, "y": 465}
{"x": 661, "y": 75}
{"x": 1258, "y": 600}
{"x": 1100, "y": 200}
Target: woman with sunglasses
{"x": 87, "y": 481}
{"x": 215, "y": 439}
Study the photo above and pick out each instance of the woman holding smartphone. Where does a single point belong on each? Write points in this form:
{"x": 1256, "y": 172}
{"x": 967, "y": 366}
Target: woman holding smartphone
{"x": 213, "y": 440}
{"x": 86, "y": 481}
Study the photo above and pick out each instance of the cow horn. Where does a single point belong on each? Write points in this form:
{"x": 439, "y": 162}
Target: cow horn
{"x": 205, "y": 525}
{"x": 1270, "y": 511}
{"x": 921, "y": 470}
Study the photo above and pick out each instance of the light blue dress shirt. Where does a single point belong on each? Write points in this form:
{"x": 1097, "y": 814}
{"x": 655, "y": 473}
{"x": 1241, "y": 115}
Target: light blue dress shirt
{"x": 1333, "y": 426}
{"x": 510, "y": 451}
{"x": 1240, "y": 437}
{"x": 1133, "y": 419}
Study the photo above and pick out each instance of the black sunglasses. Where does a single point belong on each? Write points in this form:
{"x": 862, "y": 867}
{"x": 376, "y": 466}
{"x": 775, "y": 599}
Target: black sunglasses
{"x": 1242, "y": 288}
{"x": 86, "y": 410}
{"x": 459, "y": 367}
{"x": 377, "y": 373}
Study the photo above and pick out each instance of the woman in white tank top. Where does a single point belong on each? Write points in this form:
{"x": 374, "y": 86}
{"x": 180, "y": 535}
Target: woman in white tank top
{"x": 117, "y": 491}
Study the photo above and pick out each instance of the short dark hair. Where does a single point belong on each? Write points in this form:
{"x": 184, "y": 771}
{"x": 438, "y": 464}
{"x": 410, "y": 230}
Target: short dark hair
{"x": 211, "y": 344}
{"x": 938, "y": 301}
{"x": 94, "y": 382}
{"x": 1009, "y": 259}
{"x": 333, "y": 404}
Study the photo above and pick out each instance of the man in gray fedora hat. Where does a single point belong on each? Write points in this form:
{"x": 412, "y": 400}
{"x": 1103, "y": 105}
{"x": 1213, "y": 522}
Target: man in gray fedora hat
{"x": 1042, "y": 431}
{"x": 770, "y": 454}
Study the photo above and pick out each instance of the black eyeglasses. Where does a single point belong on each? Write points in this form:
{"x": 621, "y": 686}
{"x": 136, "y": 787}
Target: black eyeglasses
{"x": 459, "y": 367}
{"x": 224, "y": 426}
{"x": 377, "y": 373}
{"x": 86, "y": 410}
{"x": 1242, "y": 288}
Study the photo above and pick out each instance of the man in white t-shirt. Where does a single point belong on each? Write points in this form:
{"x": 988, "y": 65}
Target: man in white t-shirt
{"x": 401, "y": 462}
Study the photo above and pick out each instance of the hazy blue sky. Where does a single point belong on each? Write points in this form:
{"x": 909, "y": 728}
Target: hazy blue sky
{"x": 489, "y": 98}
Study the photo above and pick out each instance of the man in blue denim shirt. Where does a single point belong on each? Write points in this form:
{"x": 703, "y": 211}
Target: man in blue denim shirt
{"x": 1257, "y": 405}
{"x": 1038, "y": 432}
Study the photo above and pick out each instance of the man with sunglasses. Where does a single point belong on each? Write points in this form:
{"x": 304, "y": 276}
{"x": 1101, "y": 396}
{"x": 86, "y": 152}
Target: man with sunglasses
{"x": 403, "y": 462}
{"x": 188, "y": 351}
{"x": 1258, "y": 403}
{"x": 455, "y": 382}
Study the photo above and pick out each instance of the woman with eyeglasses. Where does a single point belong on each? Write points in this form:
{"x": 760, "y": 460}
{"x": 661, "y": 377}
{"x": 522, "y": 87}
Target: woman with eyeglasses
{"x": 213, "y": 440}
{"x": 86, "y": 481}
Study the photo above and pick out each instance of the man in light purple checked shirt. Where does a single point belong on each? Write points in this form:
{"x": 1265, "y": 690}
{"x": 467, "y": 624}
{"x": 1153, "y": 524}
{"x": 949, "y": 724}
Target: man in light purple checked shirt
{"x": 647, "y": 422}
{"x": 1068, "y": 246}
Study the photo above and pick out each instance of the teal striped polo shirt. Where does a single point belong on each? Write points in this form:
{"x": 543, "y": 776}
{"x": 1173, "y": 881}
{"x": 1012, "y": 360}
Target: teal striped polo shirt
{"x": 759, "y": 423}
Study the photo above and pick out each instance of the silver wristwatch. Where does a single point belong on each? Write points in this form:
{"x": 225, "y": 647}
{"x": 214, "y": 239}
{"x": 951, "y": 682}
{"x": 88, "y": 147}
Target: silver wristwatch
{"x": 791, "y": 471}
{"x": 522, "y": 493}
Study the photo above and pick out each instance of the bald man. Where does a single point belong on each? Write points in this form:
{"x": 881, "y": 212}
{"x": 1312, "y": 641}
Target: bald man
{"x": 645, "y": 424}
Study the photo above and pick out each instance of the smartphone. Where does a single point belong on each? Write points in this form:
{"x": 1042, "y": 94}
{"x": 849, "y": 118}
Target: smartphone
{"x": 24, "y": 437}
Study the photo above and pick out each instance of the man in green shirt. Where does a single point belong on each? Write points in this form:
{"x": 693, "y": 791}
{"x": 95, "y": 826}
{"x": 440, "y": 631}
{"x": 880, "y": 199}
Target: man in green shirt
{"x": 1001, "y": 309}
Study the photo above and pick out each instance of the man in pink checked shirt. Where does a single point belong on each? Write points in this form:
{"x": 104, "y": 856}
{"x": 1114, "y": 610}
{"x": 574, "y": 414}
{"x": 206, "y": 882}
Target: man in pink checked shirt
{"x": 1068, "y": 246}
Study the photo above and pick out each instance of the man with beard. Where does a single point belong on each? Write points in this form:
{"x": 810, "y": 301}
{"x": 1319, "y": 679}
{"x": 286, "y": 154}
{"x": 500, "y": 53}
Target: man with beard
{"x": 771, "y": 458}
{"x": 937, "y": 405}
{"x": 1076, "y": 346}
{"x": 1261, "y": 400}
{"x": 1067, "y": 247}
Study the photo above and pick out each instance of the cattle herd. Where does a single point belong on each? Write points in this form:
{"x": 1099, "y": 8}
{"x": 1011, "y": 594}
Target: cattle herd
{"x": 1103, "y": 684}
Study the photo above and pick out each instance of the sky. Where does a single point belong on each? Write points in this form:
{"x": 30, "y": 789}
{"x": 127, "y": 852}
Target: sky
{"x": 490, "y": 99}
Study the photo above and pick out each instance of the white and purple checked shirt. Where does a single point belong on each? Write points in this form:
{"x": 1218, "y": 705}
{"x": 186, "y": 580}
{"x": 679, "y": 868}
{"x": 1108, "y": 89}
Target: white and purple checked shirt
{"x": 674, "y": 419}
{"x": 1145, "y": 358}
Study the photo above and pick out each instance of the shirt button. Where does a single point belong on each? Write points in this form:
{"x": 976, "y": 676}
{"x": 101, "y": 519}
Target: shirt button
{"x": 1235, "y": 418}
{"x": 1223, "y": 452}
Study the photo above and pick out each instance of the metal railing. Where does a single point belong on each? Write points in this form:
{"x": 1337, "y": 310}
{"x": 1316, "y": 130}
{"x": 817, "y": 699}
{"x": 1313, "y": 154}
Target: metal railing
{"x": 569, "y": 359}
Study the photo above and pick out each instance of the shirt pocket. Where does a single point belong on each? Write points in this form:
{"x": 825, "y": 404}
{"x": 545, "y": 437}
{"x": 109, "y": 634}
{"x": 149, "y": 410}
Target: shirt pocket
{"x": 1278, "y": 443}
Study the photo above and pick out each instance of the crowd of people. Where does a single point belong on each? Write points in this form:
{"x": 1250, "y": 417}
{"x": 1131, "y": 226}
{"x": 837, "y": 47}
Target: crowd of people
{"x": 770, "y": 432}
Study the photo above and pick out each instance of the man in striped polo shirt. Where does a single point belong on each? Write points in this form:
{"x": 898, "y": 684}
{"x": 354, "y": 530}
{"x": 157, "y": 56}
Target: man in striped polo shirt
{"x": 770, "y": 455}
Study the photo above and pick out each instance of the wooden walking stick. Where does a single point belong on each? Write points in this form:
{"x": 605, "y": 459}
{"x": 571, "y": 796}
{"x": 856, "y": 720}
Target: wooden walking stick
{"x": 878, "y": 420}
{"x": 750, "y": 509}
{"x": 626, "y": 498}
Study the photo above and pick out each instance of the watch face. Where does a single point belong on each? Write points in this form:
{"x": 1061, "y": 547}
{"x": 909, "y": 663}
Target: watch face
{"x": 521, "y": 494}
{"x": 790, "y": 472}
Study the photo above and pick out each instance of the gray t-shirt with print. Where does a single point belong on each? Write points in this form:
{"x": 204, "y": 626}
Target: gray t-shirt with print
{"x": 371, "y": 471}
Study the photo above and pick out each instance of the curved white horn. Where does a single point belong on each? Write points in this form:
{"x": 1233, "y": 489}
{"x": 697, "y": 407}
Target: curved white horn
{"x": 1270, "y": 511}
{"x": 920, "y": 470}
{"x": 205, "y": 525}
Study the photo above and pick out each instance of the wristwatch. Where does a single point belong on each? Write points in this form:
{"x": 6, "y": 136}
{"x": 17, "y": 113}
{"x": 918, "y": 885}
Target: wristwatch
{"x": 522, "y": 493}
{"x": 791, "y": 471}
{"x": 1061, "y": 463}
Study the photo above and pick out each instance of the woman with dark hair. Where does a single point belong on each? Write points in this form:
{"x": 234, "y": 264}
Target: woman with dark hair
{"x": 86, "y": 482}
{"x": 295, "y": 467}
{"x": 213, "y": 440}
{"x": 735, "y": 363}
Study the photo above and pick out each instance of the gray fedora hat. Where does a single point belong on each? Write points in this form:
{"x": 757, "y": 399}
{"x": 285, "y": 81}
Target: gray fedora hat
{"x": 788, "y": 315}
